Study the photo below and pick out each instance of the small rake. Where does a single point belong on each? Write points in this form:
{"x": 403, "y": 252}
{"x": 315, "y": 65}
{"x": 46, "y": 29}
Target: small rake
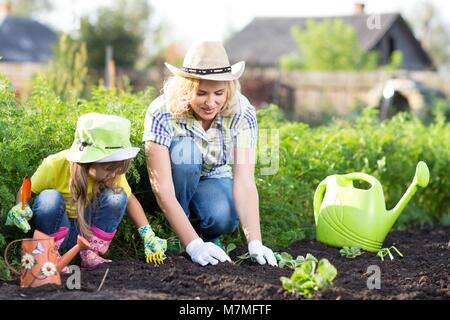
{"x": 156, "y": 258}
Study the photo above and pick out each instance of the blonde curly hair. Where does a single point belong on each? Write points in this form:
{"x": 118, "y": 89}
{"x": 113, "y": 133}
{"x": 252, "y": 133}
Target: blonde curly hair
{"x": 179, "y": 91}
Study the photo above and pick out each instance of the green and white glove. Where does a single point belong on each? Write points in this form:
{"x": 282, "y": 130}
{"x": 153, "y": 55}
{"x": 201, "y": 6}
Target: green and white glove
{"x": 154, "y": 247}
{"x": 19, "y": 217}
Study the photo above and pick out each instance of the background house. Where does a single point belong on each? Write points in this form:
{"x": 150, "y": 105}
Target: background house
{"x": 264, "y": 40}
{"x": 25, "y": 48}
{"x": 307, "y": 95}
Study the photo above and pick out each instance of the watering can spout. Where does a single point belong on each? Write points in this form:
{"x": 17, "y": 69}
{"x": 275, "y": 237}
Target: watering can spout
{"x": 82, "y": 244}
{"x": 421, "y": 179}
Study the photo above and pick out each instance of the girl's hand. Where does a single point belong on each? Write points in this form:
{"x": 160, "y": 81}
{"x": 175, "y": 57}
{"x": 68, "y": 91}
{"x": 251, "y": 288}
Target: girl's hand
{"x": 19, "y": 217}
{"x": 154, "y": 247}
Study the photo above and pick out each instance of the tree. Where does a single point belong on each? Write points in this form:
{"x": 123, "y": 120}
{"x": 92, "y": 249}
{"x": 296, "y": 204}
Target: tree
{"x": 331, "y": 45}
{"x": 29, "y": 7}
{"x": 67, "y": 72}
{"x": 433, "y": 33}
{"x": 122, "y": 26}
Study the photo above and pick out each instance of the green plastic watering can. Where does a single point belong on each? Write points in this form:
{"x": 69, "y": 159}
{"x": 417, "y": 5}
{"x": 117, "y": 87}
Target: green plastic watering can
{"x": 348, "y": 216}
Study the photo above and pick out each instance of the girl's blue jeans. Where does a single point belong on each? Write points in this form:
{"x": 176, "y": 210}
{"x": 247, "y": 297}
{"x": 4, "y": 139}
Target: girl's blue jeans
{"x": 49, "y": 214}
{"x": 210, "y": 200}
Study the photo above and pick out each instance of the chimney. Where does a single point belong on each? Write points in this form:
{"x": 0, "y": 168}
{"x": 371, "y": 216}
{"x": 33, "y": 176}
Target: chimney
{"x": 5, "y": 8}
{"x": 359, "y": 8}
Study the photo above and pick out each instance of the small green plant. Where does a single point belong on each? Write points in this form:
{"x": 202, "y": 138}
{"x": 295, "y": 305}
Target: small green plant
{"x": 173, "y": 244}
{"x": 229, "y": 248}
{"x": 284, "y": 259}
{"x": 351, "y": 252}
{"x": 307, "y": 279}
{"x": 244, "y": 257}
{"x": 387, "y": 251}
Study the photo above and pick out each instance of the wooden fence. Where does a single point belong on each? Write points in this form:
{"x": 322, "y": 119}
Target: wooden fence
{"x": 312, "y": 92}
{"x": 21, "y": 75}
{"x": 299, "y": 93}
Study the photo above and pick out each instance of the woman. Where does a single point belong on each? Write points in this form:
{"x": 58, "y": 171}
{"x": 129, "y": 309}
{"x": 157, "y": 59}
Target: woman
{"x": 200, "y": 141}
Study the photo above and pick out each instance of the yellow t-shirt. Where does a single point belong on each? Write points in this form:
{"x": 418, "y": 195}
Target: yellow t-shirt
{"x": 54, "y": 173}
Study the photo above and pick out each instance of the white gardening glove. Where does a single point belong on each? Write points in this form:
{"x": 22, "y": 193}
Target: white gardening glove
{"x": 206, "y": 252}
{"x": 261, "y": 253}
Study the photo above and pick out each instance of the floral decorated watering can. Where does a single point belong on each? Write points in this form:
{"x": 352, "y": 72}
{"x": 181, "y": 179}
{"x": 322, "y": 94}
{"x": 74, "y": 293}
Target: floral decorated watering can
{"x": 348, "y": 216}
{"x": 41, "y": 263}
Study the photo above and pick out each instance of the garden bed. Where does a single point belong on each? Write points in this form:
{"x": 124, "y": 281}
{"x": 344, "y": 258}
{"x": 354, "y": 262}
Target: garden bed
{"x": 423, "y": 273}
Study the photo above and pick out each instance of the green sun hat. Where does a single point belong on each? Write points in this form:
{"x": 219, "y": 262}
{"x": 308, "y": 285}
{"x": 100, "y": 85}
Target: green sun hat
{"x": 101, "y": 138}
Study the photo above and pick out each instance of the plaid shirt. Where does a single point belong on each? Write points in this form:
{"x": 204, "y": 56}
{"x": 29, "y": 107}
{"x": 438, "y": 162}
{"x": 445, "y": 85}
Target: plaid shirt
{"x": 216, "y": 144}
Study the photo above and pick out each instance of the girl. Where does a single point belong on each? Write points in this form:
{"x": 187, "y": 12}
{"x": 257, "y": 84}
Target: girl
{"x": 192, "y": 133}
{"x": 83, "y": 190}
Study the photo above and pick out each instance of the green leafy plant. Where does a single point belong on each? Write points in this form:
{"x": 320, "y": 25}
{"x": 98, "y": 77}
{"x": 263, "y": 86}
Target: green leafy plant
{"x": 351, "y": 252}
{"x": 244, "y": 257}
{"x": 307, "y": 279}
{"x": 286, "y": 260}
{"x": 4, "y": 271}
{"x": 230, "y": 247}
{"x": 174, "y": 244}
{"x": 387, "y": 252}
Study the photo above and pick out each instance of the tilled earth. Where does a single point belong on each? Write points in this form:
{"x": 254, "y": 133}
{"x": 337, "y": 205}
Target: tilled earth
{"x": 423, "y": 273}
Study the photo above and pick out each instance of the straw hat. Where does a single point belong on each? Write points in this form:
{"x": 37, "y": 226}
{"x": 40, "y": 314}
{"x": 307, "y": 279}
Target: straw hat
{"x": 208, "y": 60}
{"x": 101, "y": 138}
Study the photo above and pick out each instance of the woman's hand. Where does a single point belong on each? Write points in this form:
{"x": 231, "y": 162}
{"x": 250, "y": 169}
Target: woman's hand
{"x": 206, "y": 252}
{"x": 261, "y": 253}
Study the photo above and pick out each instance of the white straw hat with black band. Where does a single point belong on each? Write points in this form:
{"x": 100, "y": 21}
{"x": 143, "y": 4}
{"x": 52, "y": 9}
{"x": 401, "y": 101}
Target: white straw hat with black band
{"x": 208, "y": 60}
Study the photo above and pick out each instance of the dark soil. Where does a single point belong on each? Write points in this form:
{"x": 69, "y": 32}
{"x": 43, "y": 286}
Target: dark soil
{"x": 423, "y": 273}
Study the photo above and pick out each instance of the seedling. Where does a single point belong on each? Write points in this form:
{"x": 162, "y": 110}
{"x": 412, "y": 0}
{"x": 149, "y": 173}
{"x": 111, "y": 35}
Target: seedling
{"x": 351, "y": 252}
{"x": 307, "y": 280}
{"x": 387, "y": 251}
{"x": 286, "y": 260}
{"x": 245, "y": 256}
{"x": 173, "y": 244}
{"x": 230, "y": 247}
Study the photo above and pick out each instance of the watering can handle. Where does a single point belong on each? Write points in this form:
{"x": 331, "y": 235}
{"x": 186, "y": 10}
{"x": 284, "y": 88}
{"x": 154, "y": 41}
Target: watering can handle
{"x": 6, "y": 256}
{"x": 318, "y": 197}
{"x": 361, "y": 176}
